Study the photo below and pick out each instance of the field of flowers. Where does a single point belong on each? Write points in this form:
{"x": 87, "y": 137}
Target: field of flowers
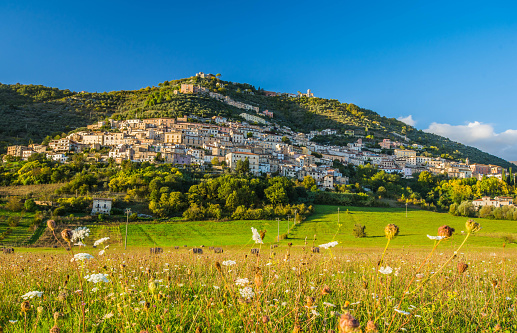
{"x": 261, "y": 287}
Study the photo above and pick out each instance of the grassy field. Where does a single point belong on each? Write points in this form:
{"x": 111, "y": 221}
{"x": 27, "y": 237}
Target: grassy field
{"x": 324, "y": 224}
{"x": 19, "y": 233}
{"x": 208, "y": 233}
{"x": 292, "y": 291}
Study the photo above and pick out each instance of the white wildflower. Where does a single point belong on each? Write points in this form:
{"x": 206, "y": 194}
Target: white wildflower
{"x": 330, "y": 305}
{"x": 242, "y": 282}
{"x": 100, "y": 241}
{"x": 435, "y": 237}
{"x": 78, "y": 234}
{"x": 32, "y": 294}
{"x": 329, "y": 245}
{"x": 80, "y": 244}
{"x": 108, "y": 315}
{"x": 13, "y": 321}
{"x": 82, "y": 256}
{"x": 386, "y": 270}
{"x": 256, "y": 236}
{"x": 96, "y": 278}
{"x": 228, "y": 263}
{"x": 216, "y": 287}
{"x": 402, "y": 312}
{"x": 247, "y": 292}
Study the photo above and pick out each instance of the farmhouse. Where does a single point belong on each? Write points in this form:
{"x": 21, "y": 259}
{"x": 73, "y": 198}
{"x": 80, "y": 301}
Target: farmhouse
{"x": 496, "y": 202}
{"x": 101, "y": 206}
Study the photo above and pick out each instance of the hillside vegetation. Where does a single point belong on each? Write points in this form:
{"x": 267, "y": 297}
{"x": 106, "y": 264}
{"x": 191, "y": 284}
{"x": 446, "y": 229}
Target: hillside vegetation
{"x": 32, "y": 112}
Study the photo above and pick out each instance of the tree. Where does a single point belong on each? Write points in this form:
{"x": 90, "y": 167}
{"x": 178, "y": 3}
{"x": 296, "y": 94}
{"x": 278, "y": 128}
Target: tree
{"x": 286, "y": 140}
{"x": 242, "y": 167}
{"x": 308, "y": 182}
{"x": 30, "y": 205}
{"x": 276, "y": 194}
{"x": 215, "y": 161}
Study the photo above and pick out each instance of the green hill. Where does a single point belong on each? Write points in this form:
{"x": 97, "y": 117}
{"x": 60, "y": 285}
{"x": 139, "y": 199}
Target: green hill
{"x": 32, "y": 112}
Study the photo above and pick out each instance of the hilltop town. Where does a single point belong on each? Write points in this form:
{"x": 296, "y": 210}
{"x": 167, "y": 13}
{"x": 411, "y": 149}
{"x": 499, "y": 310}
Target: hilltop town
{"x": 218, "y": 143}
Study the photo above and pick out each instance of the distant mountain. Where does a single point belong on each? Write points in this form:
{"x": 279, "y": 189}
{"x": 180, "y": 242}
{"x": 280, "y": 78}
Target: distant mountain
{"x": 32, "y": 112}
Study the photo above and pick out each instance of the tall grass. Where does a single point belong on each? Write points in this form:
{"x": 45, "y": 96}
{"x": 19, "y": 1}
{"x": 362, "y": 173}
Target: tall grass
{"x": 288, "y": 289}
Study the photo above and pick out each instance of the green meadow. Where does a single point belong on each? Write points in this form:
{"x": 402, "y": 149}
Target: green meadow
{"x": 326, "y": 225}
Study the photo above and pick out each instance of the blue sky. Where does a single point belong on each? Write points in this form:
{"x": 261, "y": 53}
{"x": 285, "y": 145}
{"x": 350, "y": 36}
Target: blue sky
{"x": 450, "y": 65}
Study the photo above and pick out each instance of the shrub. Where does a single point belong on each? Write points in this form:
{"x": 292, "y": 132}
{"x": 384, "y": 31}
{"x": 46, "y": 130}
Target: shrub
{"x": 359, "y": 231}
{"x": 59, "y": 211}
{"x": 30, "y": 205}
{"x": 13, "y": 221}
{"x": 466, "y": 209}
{"x": 14, "y": 204}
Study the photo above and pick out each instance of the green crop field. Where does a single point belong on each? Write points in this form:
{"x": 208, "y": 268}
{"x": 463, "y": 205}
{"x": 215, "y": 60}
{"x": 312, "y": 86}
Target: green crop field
{"x": 324, "y": 224}
{"x": 18, "y": 234}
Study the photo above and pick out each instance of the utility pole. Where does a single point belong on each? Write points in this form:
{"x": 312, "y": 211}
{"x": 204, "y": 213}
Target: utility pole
{"x": 406, "y": 208}
{"x": 278, "y": 235}
{"x": 338, "y": 215}
{"x": 128, "y": 211}
{"x": 288, "y": 220}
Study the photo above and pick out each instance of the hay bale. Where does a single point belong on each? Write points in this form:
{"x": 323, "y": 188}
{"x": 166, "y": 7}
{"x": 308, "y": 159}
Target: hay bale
{"x": 255, "y": 251}
{"x": 197, "y": 250}
{"x": 8, "y": 250}
{"x": 211, "y": 248}
{"x": 218, "y": 250}
{"x": 315, "y": 249}
{"x": 176, "y": 248}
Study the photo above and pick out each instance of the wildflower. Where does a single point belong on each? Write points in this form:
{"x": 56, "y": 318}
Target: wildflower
{"x": 96, "y": 278}
{"x": 67, "y": 235}
{"x": 216, "y": 287}
{"x": 100, "y": 241}
{"x": 329, "y": 245}
{"x": 247, "y": 292}
{"x": 327, "y": 304}
{"x": 391, "y": 231}
{"x": 326, "y": 290}
{"x": 386, "y": 270}
{"x": 13, "y": 321}
{"x": 80, "y": 233}
{"x": 51, "y": 224}
{"x": 82, "y": 256}
{"x": 80, "y": 244}
{"x": 472, "y": 226}
{"x": 55, "y": 329}
{"x": 402, "y": 312}
{"x": 445, "y": 231}
{"x": 242, "y": 282}
{"x": 265, "y": 319}
{"x": 371, "y": 327}
{"x": 108, "y": 315}
{"x": 347, "y": 323}
{"x": 435, "y": 237}
{"x": 256, "y": 236}
{"x": 462, "y": 267}
{"x": 32, "y": 294}
{"x": 228, "y": 263}
{"x": 25, "y": 306}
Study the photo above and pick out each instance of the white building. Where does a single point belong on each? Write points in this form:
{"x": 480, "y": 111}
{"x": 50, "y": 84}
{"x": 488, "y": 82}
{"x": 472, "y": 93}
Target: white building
{"x": 101, "y": 206}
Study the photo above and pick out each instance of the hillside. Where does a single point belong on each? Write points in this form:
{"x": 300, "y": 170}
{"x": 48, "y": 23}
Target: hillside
{"x": 30, "y": 113}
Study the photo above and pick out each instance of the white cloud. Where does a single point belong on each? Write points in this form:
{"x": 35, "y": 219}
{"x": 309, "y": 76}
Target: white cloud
{"x": 481, "y": 136}
{"x": 408, "y": 120}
